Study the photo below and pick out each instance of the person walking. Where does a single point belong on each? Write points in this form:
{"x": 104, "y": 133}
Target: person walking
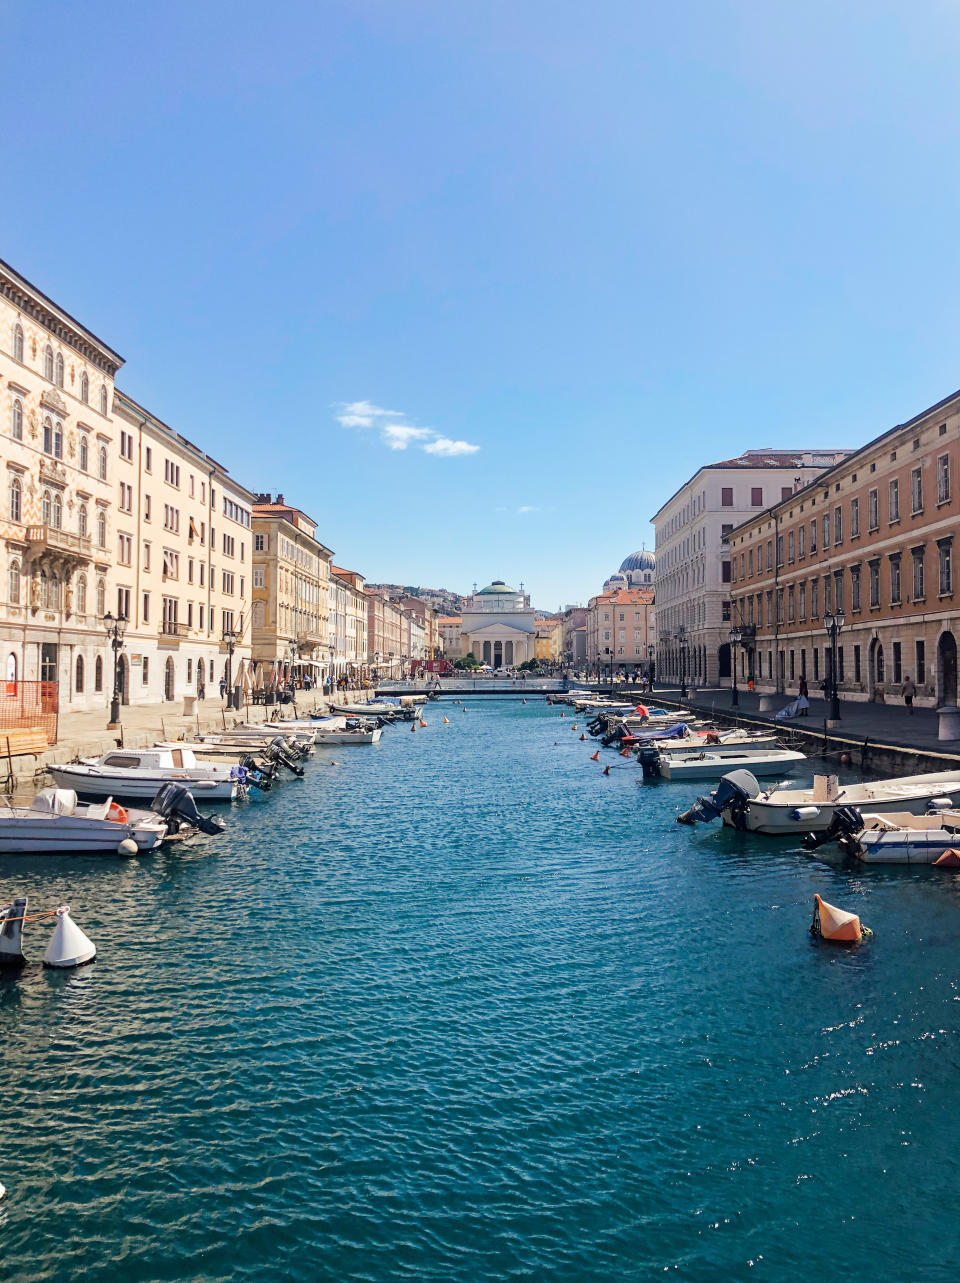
{"x": 223, "y": 687}
{"x": 908, "y": 690}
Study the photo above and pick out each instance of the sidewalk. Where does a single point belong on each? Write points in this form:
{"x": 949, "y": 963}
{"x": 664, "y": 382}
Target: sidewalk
{"x": 880, "y": 723}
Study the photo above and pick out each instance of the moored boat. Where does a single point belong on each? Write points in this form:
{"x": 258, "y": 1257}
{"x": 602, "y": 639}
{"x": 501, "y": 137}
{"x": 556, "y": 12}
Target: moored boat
{"x": 709, "y": 764}
{"x": 137, "y": 775}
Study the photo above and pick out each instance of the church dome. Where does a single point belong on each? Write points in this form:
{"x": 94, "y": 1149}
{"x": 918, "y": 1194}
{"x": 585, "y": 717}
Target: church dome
{"x": 498, "y": 587}
{"x": 641, "y": 560}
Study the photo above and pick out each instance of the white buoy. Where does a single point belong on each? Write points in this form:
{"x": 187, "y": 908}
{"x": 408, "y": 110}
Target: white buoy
{"x": 127, "y": 847}
{"x": 68, "y": 946}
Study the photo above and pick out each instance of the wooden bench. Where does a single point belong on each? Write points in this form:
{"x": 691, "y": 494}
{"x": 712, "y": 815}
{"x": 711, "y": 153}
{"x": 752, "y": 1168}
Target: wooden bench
{"x": 29, "y": 741}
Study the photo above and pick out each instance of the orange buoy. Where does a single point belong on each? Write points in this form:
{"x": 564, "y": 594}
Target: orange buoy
{"x": 422, "y": 722}
{"x": 413, "y": 727}
{"x": 446, "y": 721}
{"x": 574, "y": 726}
{"x": 595, "y": 757}
{"x": 582, "y": 736}
{"x": 949, "y": 860}
{"x": 835, "y": 924}
{"x": 624, "y": 752}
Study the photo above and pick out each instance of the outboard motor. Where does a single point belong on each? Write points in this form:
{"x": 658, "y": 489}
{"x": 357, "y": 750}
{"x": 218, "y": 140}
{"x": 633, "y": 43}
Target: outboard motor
{"x": 177, "y": 806}
{"x": 649, "y": 758}
{"x": 730, "y": 795}
{"x": 279, "y": 753}
{"x": 846, "y": 821}
{"x": 11, "y": 933}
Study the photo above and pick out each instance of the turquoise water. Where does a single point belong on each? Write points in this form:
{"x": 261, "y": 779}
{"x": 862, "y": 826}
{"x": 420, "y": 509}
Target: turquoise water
{"x": 463, "y": 1009}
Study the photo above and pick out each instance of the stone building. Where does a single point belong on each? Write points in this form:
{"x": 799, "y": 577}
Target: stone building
{"x": 58, "y": 516}
{"x": 873, "y": 540}
{"x": 621, "y": 631}
{"x": 692, "y": 573}
{"x": 449, "y": 631}
{"x": 384, "y": 633}
{"x": 498, "y": 625}
{"x": 291, "y": 586}
{"x": 347, "y": 626}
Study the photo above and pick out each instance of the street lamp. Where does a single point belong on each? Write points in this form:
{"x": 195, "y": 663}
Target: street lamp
{"x": 229, "y": 639}
{"x": 376, "y": 665}
{"x": 735, "y": 639}
{"x": 333, "y": 651}
{"x": 115, "y": 629}
{"x": 833, "y": 625}
{"x": 682, "y": 643}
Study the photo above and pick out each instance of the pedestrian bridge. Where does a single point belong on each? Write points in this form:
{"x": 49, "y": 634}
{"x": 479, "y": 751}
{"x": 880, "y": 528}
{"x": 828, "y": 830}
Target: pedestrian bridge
{"x": 476, "y": 686}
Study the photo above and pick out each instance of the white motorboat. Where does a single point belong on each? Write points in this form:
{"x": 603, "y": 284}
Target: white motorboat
{"x": 55, "y": 823}
{"x": 359, "y": 735}
{"x": 741, "y": 802}
{"x": 710, "y": 764}
{"x": 896, "y": 837}
{"x": 137, "y": 775}
{"x": 265, "y": 733}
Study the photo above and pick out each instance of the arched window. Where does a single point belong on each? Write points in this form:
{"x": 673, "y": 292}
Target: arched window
{"x": 101, "y": 531}
{"x": 14, "y": 583}
{"x": 47, "y": 436}
{"x": 98, "y": 674}
{"x": 18, "y": 343}
{"x": 16, "y": 421}
{"x": 58, "y": 370}
{"x": 46, "y": 508}
{"x": 103, "y": 398}
{"x": 84, "y": 387}
{"x": 81, "y": 594}
{"x": 79, "y": 681}
{"x": 82, "y": 520}
{"x": 101, "y": 599}
{"x": 16, "y": 498}
{"x": 58, "y": 440}
{"x": 84, "y": 452}
{"x": 57, "y": 522}
{"x": 48, "y": 363}
{"x": 103, "y": 463}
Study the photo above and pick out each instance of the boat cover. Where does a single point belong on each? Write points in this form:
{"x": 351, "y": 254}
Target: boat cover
{"x": 793, "y": 709}
{"x": 55, "y": 801}
{"x": 678, "y": 732}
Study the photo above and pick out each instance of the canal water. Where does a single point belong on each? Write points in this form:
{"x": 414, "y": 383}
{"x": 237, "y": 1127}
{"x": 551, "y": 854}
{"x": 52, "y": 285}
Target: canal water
{"x": 463, "y": 1009}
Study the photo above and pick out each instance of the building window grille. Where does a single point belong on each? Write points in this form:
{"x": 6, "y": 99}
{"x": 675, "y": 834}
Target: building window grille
{"x": 943, "y": 478}
{"x": 944, "y": 549}
{"x": 874, "y": 583}
{"x": 873, "y": 510}
{"x": 893, "y": 500}
{"x": 854, "y": 518}
{"x": 916, "y": 490}
{"x": 895, "y": 580}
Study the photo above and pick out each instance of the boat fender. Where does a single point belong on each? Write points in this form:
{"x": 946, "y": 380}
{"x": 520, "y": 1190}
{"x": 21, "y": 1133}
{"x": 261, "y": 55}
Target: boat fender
{"x": 804, "y": 812}
{"x": 938, "y": 804}
{"x": 128, "y": 847}
{"x": 117, "y": 814}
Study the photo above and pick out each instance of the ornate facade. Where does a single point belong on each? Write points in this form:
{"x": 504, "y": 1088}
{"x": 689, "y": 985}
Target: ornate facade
{"x": 498, "y": 625}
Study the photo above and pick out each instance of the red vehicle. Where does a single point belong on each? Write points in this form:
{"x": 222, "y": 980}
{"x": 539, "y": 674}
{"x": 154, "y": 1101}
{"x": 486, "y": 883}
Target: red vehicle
{"x": 439, "y": 667}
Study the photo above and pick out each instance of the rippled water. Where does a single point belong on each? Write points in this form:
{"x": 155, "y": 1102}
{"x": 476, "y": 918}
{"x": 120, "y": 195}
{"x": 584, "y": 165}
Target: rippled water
{"x": 463, "y": 1009}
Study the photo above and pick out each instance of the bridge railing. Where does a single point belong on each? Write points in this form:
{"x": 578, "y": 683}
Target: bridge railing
{"x": 464, "y": 685}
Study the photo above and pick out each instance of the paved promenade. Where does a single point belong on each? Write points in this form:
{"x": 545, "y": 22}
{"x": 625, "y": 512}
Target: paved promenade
{"x": 880, "y": 723}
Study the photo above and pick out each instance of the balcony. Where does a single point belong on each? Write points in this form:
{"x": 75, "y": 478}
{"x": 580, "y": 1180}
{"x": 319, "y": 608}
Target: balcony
{"x": 47, "y": 538}
{"x": 171, "y": 632}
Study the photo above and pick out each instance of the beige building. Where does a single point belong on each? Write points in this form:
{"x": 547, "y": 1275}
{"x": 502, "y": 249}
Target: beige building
{"x": 384, "y": 633}
{"x": 58, "y": 516}
{"x": 347, "y": 626}
{"x": 182, "y": 556}
{"x": 291, "y": 590}
{"x": 449, "y": 628}
{"x": 621, "y": 631}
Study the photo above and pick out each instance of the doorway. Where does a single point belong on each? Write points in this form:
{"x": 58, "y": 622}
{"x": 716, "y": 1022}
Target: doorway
{"x": 947, "y": 669}
{"x": 168, "y": 676}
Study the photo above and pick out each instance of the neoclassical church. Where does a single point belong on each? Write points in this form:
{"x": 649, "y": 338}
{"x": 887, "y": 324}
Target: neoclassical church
{"x": 636, "y": 571}
{"x": 497, "y": 625}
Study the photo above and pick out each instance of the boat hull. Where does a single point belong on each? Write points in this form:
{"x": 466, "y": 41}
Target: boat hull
{"x": 94, "y": 786}
{"x": 349, "y": 737}
{"x": 39, "y": 834}
{"x": 778, "y": 820}
{"x": 711, "y": 766}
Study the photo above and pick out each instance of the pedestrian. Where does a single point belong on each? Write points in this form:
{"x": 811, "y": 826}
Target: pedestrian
{"x": 804, "y": 694}
{"x": 908, "y": 690}
{"x": 223, "y": 687}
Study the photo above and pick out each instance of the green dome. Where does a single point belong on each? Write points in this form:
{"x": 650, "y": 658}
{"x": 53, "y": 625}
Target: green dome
{"x": 496, "y": 589}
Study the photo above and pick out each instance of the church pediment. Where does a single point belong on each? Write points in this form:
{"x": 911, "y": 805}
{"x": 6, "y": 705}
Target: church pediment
{"x": 500, "y": 630}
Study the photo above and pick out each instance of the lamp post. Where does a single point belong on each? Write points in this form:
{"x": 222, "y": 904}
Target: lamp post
{"x": 115, "y": 629}
{"x": 682, "y": 643}
{"x": 229, "y": 639}
{"x": 735, "y": 638}
{"x": 333, "y": 651}
{"x": 833, "y": 624}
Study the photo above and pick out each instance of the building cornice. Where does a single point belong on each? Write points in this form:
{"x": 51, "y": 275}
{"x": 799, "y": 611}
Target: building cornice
{"x": 26, "y": 298}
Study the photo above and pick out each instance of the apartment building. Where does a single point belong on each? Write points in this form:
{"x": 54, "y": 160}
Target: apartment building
{"x": 870, "y": 543}
{"x": 692, "y": 576}
{"x": 620, "y": 630}
{"x": 384, "y": 632}
{"x": 347, "y": 626}
{"x": 182, "y": 561}
{"x": 59, "y": 509}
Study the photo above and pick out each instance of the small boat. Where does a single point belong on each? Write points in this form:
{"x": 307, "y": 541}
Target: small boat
{"x": 709, "y": 764}
{"x": 137, "y": 775}
{"x": 55, "y": 823}
{"x": 896, "y": 837}
{"x": 350, "y": 735}
{"x": 741, "y": 802}
{"x": 389, "y": 712}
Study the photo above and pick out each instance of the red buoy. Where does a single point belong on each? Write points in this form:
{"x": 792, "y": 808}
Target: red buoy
{"x": 595, "y": 757}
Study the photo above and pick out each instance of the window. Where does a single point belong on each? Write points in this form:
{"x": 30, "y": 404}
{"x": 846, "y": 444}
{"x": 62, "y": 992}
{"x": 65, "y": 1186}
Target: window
{"x": 779, "y": 550}
{"x": 81, "y": 594}
{"x": 258, "y": 578}
{"x": 756, "y": 496}
{"x": 18, "y": 343}
{"x": 126, "y": 445}
{"x": 874, "y": 583}
{"x": 16, "y": 498}
{"x": 123, "y": 603}
{"x": 726, "y": 496}
{"x": 779, "y": 605}
{"x": 146, "y": 556}
{"x": 58, "y": 370}
{"x": 873, "y": 510}
{"x": 103, "y": 398}
{"x": 103, "y": 463}
{"x": 171, "y": 564}
{"x": 725, "y": 572}
{"x": 791, "y": 605}
{"x": 101, "y": 599}
{"x": 945, "y": 558}
{"x": 813, "y": 537}
{"x": 897, "y": 663}
{"x": 918, "y": 583}
{"x": 801, "y": 541}
{"x": 189, "y": 570}
{"x": 148, "y": 459}
{"x": 48, "y": 363}
{"x": 145, "y": 670}
{"x": 171, "y": 473}
{"x": 13, "y": 583}
{"x": 921, "y": 676}
{"x": 126, "y": 497}
{"x": 101, "y": 530}
{"x": 48, "y": 436}
{"x": 893, "y": 501}
{"x": 146, "y": 507}
{"x": 786, "y": 492}
{"x": 85, "y": 387}
{"x": 894, "y": 579}
{"x": 854, "y": 587}
{"x": 16, "y": 419}
{"x": 146, "y": 608}
{"x": 838, "y": 525}
{"x": 856, "y": 664}
{"x": 124, "y": 550}
{"x": 84, "y": 453}
{"x": 46, "y": 507}
{"x": 171, "y": 518}
{"x": 826, "y": 531}
{"x": 98, "y": 672}
{"x": 790, "y": 547}
{"x": 229, "y": 547}
{"x": 854, "y": 518}
{"x": 78, "y": 683}
{"x": 826, "y": 594}
{"x": 838, "y": 589}
{"x": 49, "y": 591}
{"x": 228, "y": 582}
{"x": 943, "y": 478}
{"x": 816, "y": 663}
{"x": 56, "y": 518}
{"x": 803, "y": 601}
{"x": 916, "y": 491}
{"x": 58, "y": 440}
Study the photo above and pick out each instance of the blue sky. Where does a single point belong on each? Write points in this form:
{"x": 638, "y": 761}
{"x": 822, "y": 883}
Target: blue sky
{"x": 602, "y": 244}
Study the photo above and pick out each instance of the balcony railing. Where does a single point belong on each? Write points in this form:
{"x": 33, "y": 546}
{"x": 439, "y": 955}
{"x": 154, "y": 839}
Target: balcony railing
{"x": 47, "y": 536}
{"x": 170, "y": 628}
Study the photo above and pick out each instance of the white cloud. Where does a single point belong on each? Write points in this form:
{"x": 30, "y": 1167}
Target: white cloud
{"x": 395, "y": 432}
{"x": 447, "y": 448}
{"x": 528, "y": 507}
